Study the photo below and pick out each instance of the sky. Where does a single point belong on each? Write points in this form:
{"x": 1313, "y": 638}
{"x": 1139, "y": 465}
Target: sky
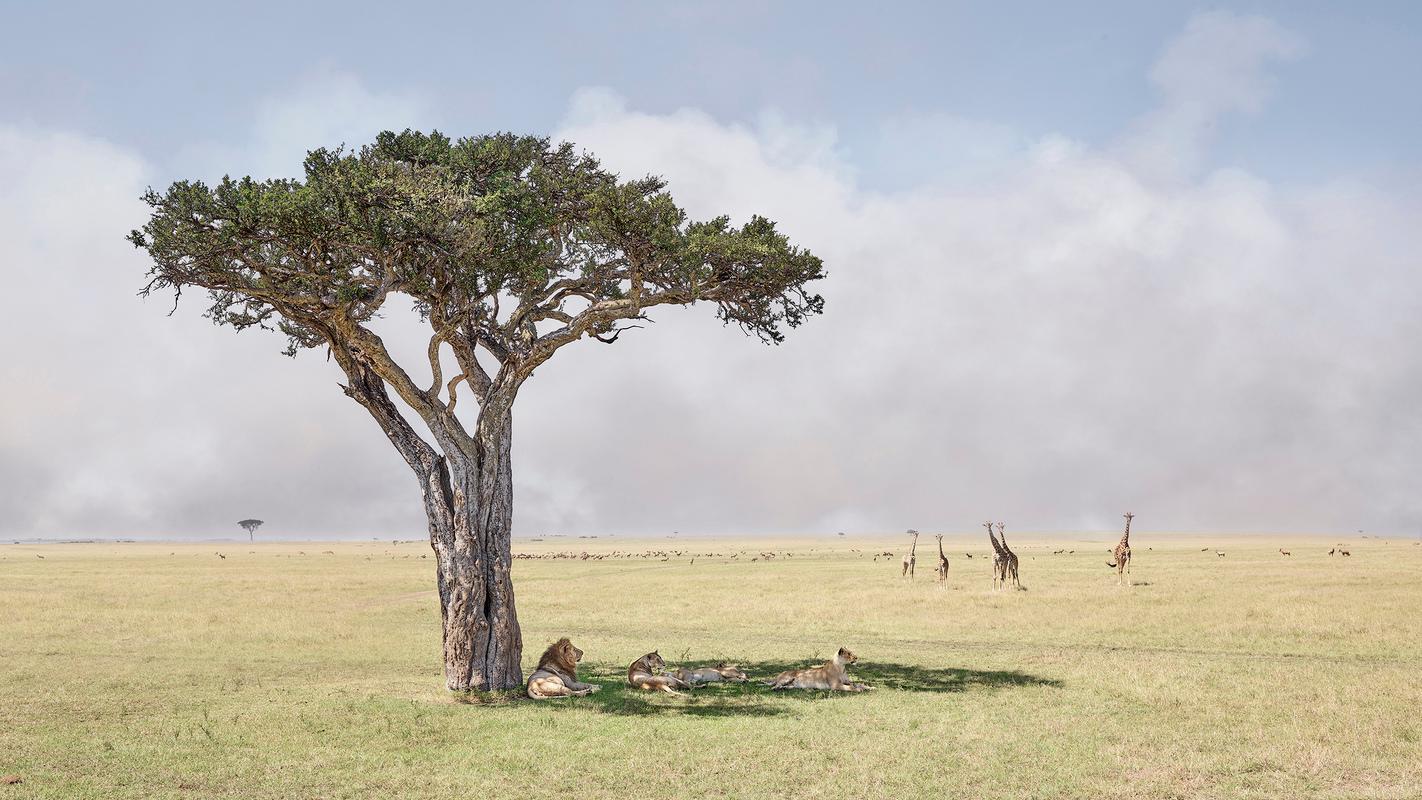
{"x": 1083, "y": 259}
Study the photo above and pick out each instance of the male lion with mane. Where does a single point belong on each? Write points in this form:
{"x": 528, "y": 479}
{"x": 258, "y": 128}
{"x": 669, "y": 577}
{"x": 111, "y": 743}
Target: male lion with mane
{"x": 557, "y": 673}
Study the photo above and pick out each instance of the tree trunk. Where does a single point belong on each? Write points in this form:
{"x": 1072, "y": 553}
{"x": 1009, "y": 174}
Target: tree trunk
{"x": 469, "y": 504}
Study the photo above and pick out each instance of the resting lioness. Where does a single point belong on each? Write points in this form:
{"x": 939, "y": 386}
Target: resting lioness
{"x": 557, "y": 673}
{"x": 646, "y": 673}
{"x": 720, "y": 672}
{"x": 832, "y": 676}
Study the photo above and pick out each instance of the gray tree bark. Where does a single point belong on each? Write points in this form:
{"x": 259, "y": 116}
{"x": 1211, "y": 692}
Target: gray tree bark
{"x": 469, "y": 504}
{"x": 467, "y": 489}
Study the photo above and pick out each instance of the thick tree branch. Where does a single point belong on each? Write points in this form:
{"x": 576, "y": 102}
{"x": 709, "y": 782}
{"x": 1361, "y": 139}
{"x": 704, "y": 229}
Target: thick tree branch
{"x": 367, "y": 388}
{"x": 368, "y": 348}
{"x": 464, "y": 347}
{"x": 597, "y": 314}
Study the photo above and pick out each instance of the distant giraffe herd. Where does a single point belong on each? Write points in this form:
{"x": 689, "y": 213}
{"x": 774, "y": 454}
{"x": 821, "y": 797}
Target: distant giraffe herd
{"x": 1006, "y": 565}
{"x": 1004, "y": 561}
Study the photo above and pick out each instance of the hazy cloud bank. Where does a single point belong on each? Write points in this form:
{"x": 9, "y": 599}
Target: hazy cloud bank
{"x": 1034, "y": 328}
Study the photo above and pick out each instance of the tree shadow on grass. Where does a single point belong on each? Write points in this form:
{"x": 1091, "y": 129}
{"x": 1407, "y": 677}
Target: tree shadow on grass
{"x": 753, "y": 699}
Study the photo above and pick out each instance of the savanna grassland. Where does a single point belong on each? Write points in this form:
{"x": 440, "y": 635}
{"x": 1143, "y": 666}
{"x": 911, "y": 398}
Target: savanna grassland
{"x": 313, "y": 670}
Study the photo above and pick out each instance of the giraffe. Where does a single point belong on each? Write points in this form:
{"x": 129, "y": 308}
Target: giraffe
{"x": 942, "y": 560}
{"x": 999, "y": 558}
{"x": 911, "y": 560}
{"x": 1122, "y": 553}
{"x": 1009, "y": 567}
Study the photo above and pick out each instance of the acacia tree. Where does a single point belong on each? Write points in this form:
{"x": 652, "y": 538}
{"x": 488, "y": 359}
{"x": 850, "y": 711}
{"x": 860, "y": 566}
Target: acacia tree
{"x": 511, "y": 248}
{"x": 250, "y": 526}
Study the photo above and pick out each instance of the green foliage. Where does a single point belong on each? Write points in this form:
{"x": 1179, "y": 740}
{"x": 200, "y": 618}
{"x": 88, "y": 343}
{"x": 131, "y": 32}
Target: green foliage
{"x": 458, "y": 226}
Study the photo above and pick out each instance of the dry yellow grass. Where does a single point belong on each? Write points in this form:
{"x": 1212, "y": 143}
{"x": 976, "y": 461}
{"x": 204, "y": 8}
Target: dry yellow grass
{"x": 161, "y": 670}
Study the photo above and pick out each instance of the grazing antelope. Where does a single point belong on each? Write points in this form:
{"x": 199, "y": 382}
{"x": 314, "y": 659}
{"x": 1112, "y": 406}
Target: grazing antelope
{"x": 1284, "y": 552}
{"x": 1219, "y": 553}
{"x": 1344, "y": 552}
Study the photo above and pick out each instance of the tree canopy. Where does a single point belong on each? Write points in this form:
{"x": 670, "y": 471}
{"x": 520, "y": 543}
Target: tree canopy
{"x": 507, "y": 243}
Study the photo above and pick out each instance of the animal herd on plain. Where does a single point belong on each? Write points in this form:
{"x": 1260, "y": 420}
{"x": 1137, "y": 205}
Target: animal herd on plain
{"x": 557, "y": 675}
{"x": 557, "y": 672}
{"x": 1006, "y": 566}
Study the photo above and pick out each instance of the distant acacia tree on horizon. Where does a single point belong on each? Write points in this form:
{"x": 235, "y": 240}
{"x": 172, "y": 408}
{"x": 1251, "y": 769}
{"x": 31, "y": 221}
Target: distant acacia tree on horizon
{"x": 511, "y": 248}
{"x": 251, "y": 526}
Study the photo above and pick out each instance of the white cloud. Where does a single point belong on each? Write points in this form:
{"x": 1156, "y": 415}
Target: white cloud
{"x": 1052, "y": 342}
{"x": 1218, "y": 66}
{"x": 915, "y": 149}
{"x": 117, "y": 420}
{"x": 1067, "y": 336}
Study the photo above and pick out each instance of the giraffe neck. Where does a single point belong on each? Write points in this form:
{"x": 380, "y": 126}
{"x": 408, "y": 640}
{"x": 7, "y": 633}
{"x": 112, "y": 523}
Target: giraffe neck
{"x": 940, "y": 548}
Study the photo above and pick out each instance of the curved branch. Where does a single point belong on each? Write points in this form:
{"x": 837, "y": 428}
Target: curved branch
{"x": 369, "y": 349}
{"x": 616, "y": 332}
{"x": 474, "y": 373}
{"x": 368, "y": 389}
{"x": 435, "y": 370}
{"x": 453, "y": 398}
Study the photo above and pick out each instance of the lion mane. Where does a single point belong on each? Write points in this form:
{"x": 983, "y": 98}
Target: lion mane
{"x": 557, "y": 673}
{"x": 560, "y": 657}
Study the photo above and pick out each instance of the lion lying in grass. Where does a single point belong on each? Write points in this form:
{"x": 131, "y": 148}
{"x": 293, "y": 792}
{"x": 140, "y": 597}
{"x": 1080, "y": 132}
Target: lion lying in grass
{"x": 557, "y": 673}
{"x": 833, "y": 675}
{"x": 646, "y": 673}
{"x": 716, "y": 674}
